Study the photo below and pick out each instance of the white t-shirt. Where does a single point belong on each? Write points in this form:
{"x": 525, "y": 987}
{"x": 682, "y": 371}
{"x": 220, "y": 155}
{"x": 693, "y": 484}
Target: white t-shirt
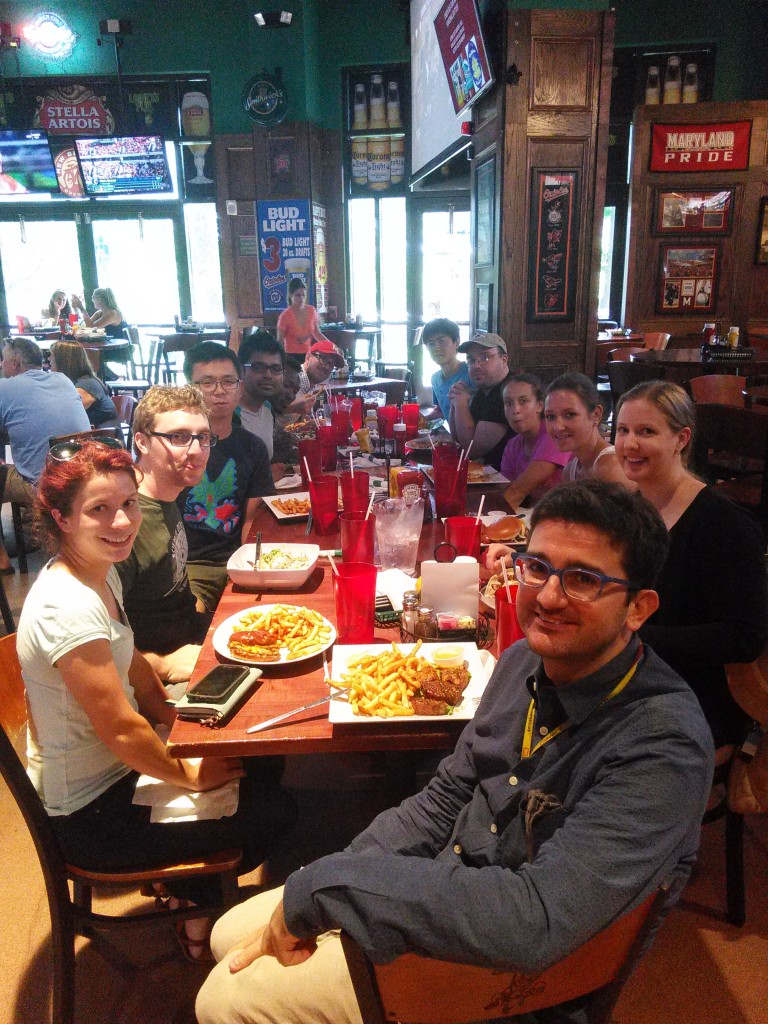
{"x": 260, "y": 423}
{"x": 67, "y": 762}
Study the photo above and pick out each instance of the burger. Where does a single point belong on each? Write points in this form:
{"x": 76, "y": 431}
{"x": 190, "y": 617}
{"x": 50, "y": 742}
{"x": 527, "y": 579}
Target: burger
{"x": 509, "y": 530}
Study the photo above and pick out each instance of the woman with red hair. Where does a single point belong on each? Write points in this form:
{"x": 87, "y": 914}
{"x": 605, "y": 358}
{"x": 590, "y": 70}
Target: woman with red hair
{"x": 92, "y": 696}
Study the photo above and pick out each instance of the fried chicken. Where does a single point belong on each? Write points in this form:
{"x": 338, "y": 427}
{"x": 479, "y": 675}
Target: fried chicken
{"x": 445, "y": 686}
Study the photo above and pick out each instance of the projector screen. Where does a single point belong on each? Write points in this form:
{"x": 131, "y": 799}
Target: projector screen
{"x": 436, "y": 130}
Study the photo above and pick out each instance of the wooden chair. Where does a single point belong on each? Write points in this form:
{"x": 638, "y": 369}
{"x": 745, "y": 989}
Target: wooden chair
{"x": 126, "y": 407}
{"x": 72, "y": 914}
{"x": 417, "y": 988}
{"x": 657, "y": 340}
{"x": 735, "y": 894}
{"x": 173, "y": 343}
{"x": 624, "y": 353}
{"x": 718, "y": 388}
{"x": 18, "y": 531}
{"x": 731, "y": 452}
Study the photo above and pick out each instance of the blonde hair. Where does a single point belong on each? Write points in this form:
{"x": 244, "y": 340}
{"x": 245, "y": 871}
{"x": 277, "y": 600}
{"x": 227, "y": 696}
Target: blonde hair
{"x": 166, "y": 398}
{"x": 108, "y": 298}
{"x": 673, "y": 403}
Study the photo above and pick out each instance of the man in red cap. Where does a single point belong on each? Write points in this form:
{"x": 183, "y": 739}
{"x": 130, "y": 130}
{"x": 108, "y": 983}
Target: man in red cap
{"x": 321, "y": 359}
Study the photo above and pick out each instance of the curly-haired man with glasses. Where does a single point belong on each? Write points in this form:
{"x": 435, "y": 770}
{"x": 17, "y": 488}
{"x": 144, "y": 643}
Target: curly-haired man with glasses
{"x": 263, "y": 362}
{"x": 172, "y": 439}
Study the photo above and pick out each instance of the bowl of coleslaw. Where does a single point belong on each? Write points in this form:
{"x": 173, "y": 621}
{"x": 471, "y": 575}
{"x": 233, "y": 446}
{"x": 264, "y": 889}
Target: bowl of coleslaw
{"x": 281, "y": 566}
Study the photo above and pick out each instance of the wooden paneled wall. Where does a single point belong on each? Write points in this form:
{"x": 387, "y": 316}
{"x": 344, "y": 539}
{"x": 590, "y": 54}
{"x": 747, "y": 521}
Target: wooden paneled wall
{"x": 245, "y": 175}
{"x": 742, "y": 290}
{"x": 554, "y": 117}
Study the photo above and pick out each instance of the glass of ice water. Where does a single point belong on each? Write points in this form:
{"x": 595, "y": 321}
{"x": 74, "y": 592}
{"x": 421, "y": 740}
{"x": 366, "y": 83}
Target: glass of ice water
{"x": 398, "y": 529}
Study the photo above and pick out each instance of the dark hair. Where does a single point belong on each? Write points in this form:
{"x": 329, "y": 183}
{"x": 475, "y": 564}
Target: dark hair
{"x": 60, "y": 482}
{"x": 71, "y": 360}
{"x": 579, "y": 385}
{"x": 293, "y": 363}
{"x": 440, "y": 326}
{"x": 27, "y": 352}
{"x": 264, "y": 342}
{"x": 295, "y": 285}
{"x": 626, "y": 518}
{"x": 209, "y": 352}
{"x": 56, "y": 314}
{"x": 527, "y": 378}
{"x": 673, "y": 403}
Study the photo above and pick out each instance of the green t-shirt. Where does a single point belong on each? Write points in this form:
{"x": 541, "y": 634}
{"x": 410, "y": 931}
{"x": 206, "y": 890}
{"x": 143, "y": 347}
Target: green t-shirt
{"x": 158, "y": 601}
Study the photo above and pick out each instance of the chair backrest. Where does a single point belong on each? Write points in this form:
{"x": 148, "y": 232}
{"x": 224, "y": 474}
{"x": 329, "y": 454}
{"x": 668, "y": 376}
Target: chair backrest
{"x": 657, "y": 340}
{"x": 416, "y": 988}
{"x": 94, "y": 356}
{"x": 720, "y": 388}
{"x": 132, "y": 334}
{"x": 624, "y": 353}
{"x": 126, "y": 406}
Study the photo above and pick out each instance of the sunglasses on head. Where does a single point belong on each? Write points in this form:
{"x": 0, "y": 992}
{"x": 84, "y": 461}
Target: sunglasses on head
{"x": 66, "y": 450}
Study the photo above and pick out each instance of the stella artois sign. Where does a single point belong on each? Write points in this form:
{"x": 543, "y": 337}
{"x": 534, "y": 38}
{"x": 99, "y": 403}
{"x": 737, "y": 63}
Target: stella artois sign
{"x": 721, "y": 146}
{"x": 73, "y": 110}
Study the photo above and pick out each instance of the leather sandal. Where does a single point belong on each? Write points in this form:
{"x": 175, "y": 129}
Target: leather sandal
{"x": 197, "y": 951}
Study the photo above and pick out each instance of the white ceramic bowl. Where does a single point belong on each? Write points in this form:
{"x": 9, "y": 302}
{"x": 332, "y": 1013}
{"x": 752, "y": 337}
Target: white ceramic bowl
{"x": 242, "y": 572}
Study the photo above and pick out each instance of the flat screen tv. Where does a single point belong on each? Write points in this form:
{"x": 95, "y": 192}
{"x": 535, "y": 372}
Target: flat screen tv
{"x": 26, "y": 164}
{"x": 129, "y": 165}
{"x": 463, "y": 53}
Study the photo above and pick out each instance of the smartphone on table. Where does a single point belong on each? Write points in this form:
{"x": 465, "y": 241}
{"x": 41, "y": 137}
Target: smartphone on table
{"x": 218, "y": 685}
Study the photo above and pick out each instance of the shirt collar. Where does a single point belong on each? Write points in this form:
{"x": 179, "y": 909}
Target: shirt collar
{"x": 581, "y": 698}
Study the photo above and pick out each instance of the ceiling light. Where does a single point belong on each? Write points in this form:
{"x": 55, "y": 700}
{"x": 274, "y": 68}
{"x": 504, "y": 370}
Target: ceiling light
{"x": 260, "y": 19}
{"x": 273, "y": 19}
{"x": 286, "y": 17}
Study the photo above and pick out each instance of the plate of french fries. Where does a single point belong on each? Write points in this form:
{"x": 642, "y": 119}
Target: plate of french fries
{"x": 383, "y": 680}
{"x": 273, "y": 634}
{"x": 289, "y": 506}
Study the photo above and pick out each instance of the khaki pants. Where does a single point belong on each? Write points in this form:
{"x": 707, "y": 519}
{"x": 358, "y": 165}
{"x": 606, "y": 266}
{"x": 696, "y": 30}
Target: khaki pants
{"x": 318, "y": 991}
{"x": 17, "y": 488}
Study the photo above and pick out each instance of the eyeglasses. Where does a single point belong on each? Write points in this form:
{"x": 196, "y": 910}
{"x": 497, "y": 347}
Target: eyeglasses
{"x": 276, "y": 371}
{"x": 66, "y": 450}
{"x": 209, "y": 385}
{"x": 325, "y": 360}
{"x": 183, "y": 439}
{"x": 579, "y": 584}
{"x": 480, "y": 360}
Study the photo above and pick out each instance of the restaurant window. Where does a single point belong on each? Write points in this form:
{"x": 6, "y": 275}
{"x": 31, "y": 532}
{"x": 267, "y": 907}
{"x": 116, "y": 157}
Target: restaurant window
{"x": 202, "y": 233}
{"x": 38, "y": 256}
{"x": 606, "y": 263}
{"x": 377, "y": 260}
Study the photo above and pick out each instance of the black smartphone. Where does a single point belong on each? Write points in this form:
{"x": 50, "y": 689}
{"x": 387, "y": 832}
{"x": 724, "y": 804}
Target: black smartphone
{"x": 220, "y": 683}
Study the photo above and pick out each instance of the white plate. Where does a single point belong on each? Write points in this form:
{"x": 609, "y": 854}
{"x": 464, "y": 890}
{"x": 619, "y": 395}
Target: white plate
{"x": 299, "y": 495}
{"x": 492, "y": 476}
{"x": 227, "y": 628}
{"x": 341, "y": 712}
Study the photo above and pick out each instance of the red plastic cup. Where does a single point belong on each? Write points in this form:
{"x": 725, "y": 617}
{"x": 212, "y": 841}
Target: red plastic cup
{"x": 354, "y": 493}
{"x": 327, "y": 436}
{"x": 312, "y": 451}
{"x": 356, "y": 413}
{"x": 72, "y": 319}
{"x": 410, "y": 411}
{"x": 387, "y": 416}
{"x": 357, "y": 534}
{"x": 464, "y": 533}
{"x": 324, "y": 498}
{"x": 340, "y": 421}
{"x": 447, "y": 453}
{"x": 354, "y": 589}
{"x": 508, "y": 629}
{"x": 451, "y": 488}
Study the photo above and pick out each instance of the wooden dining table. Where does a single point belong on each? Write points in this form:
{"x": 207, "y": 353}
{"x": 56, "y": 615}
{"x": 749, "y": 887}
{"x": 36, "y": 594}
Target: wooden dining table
{"x": 285, "y": 687}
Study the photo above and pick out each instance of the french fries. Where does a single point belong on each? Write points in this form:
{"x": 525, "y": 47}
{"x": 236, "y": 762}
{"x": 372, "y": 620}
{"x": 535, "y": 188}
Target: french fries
{"x": 302, "y": 632}
{"x": 293, "y": 506}
{"x": 382, "y": 685}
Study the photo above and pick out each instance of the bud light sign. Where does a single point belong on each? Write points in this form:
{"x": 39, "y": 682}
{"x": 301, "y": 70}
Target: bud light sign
{"x": 285, "y": 249}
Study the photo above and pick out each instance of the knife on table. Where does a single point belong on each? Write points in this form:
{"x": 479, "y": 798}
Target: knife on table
{"x": 289, "y": 714}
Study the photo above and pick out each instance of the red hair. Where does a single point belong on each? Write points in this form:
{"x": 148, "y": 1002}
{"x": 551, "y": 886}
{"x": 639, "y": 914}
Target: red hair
{"x": 60, "y": 482}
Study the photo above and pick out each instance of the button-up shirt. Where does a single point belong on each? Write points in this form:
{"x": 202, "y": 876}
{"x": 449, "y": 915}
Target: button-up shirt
{"x": 448, "y": 872}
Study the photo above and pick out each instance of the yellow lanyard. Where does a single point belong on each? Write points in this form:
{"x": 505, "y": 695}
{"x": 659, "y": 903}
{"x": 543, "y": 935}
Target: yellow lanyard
{"x": 531, "y": 716}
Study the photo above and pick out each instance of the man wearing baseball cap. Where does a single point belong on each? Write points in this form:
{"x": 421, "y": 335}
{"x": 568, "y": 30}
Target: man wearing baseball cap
{"x": 479, "y": 417}
{"x": 319, "y": 361}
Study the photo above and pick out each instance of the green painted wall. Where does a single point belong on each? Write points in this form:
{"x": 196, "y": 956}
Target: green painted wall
{"x": 221, "y": 37}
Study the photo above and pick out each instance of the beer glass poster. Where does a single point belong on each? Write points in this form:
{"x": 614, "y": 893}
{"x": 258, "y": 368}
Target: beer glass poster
{"x": 285, "y": 249}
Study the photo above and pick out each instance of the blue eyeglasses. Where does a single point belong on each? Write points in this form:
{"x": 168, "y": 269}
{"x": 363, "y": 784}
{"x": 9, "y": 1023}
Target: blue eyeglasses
{"x": 579, "y": 584}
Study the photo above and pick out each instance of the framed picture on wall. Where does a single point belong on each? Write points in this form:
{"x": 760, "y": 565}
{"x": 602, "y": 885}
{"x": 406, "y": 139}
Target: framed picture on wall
{"x": 483, "y": 307}
{"x": 761, "y": 251}
{"x": 688, "y": 279}
{"x": 694, "y": 212}
{"x": 554, "y": 245}
{"x": 485, "y": 189}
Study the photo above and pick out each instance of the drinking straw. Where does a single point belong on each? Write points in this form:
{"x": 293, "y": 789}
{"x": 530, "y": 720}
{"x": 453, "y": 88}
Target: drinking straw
{"x": 326, "y": 672}
{"x": 429, "y": 436}
{"x": 465, "y": 454}
{"x": 306, "y": 466}
{"x": 480, "y": 510}
{"x": 333, "y": 564}
{"x": 351, "y": 465}
{"x": 506, "y": 579}
{"x": 370, "y": 505}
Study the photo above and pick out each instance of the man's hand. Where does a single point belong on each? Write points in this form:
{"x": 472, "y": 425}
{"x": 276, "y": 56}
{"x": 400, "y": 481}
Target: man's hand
{"x": 275, "y": 940}
{"x": 460, "y": 393}
{"x": 212, "y": 772}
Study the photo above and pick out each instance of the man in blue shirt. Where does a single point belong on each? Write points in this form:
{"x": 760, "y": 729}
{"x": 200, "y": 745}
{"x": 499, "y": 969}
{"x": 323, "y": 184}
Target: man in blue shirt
{"x": 34, "y": 405}
{"x": 574, "y": 793}
{"x": 441, "y": 339}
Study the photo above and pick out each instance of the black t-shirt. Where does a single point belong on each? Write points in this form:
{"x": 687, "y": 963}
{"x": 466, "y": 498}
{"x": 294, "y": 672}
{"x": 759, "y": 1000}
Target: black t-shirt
{"x": 102, "y": 412}
{"x": 489, "y": 406}
{"x": 214, "y": 510}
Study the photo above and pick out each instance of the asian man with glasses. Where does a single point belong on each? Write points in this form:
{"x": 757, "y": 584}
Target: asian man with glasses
{"x": 263, "y": 362}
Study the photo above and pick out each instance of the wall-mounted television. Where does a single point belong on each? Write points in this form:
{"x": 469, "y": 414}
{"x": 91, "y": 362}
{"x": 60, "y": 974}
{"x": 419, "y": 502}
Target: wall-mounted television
{"x": 463, "y": 53}
{"x": 26, "y": 164}
{"x": 129, "y": 165}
